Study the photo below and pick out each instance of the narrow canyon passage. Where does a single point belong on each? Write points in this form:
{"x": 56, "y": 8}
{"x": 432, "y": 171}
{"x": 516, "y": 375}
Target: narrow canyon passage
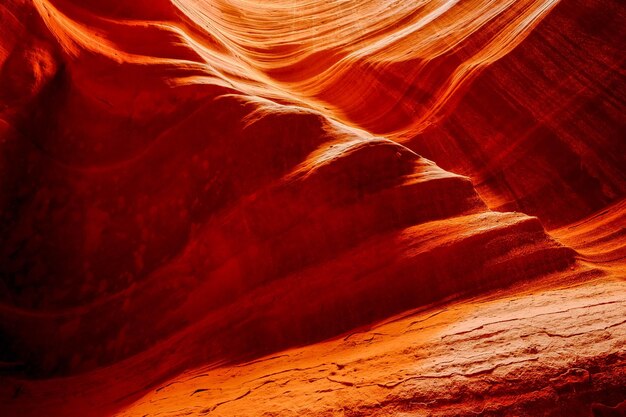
{"x": 298, "y": 207}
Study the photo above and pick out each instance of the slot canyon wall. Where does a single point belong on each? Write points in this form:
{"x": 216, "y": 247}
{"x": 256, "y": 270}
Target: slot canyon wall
{"x": 194, "y": 190}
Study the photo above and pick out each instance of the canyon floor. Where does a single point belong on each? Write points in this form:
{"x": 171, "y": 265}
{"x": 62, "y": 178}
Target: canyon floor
{"x": 554, "y": 346}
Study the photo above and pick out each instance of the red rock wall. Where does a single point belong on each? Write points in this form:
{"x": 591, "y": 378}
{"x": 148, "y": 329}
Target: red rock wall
{"x": 161, "y": 175}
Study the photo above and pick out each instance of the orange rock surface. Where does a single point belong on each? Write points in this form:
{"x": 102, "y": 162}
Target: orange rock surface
{"x": 281, "y": 208}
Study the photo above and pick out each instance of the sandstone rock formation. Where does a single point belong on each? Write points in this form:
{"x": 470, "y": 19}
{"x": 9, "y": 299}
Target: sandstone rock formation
{"x": 219, "y": 187}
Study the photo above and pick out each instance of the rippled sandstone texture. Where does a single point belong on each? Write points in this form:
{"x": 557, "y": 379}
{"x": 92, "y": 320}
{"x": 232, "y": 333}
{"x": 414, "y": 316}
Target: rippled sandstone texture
{"x": 193, "y": 185}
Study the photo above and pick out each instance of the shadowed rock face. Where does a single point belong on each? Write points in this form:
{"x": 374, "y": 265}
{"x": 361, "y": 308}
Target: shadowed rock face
{"x": 244, "y": 176}
{"x": 541, "y": 130}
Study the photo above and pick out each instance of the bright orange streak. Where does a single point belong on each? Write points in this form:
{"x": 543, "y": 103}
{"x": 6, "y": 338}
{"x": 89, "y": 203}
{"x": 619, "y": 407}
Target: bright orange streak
{"x": 385, "y": 66}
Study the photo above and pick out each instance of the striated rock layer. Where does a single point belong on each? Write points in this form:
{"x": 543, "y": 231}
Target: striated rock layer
{"x": 190, "y": 184}
{"x": 553, "y": 346}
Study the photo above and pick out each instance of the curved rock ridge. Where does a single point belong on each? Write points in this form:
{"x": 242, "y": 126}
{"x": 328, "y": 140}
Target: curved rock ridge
{"x": 447, "y": 78}
{"x": 195, "y": 184}
{"x": 226, "y": 226}
{"x": 407, "y": 58}
{"x": 138, "y": 175}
